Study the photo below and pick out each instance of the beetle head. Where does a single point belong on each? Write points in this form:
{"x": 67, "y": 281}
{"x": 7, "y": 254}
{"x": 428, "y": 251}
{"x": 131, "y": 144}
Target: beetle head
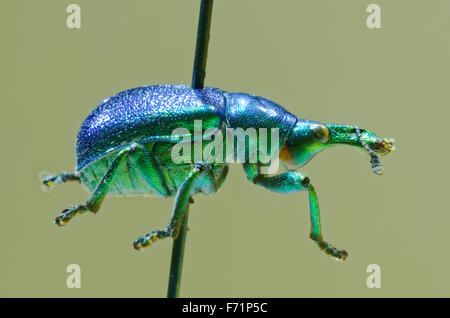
{"x": 307, "y": 138}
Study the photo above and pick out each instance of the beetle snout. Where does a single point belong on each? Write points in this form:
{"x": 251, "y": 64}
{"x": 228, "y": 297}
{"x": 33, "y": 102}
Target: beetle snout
{"x": 385, "y": 146}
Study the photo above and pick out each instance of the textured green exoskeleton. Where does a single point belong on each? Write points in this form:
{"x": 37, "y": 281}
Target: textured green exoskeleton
{"x": 125, "y": 147}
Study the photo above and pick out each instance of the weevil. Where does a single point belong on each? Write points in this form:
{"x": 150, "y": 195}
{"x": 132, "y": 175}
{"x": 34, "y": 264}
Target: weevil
{"x": 124, "y": 148}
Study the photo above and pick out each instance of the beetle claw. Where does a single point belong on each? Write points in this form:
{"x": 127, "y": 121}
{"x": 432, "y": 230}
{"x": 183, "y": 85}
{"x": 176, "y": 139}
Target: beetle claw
{"x": 59, "y": 221}
{"x": 141, "y": 243}
{"x": 64, "y": 217}
{"x": 50, "y": 181}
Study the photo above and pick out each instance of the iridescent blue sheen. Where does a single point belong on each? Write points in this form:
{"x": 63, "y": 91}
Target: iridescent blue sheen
{"x": 145, "y": 114}
{"x": 151, "y": 113}
{"x": 250, "y": 111}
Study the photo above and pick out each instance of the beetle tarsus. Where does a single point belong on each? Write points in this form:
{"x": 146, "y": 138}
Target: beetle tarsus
{"x": 51, "y": 180}
{"x": 148, "y": 239}
{"x": 67, "y": 214}
{"x": 339, "y": 255}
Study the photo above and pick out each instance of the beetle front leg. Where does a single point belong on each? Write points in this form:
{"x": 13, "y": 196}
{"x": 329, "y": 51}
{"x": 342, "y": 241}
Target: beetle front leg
{"x": 96, "y": 198}
{"x": 316, "y": 232}
{"x": 182, "y": 201}
{"x": 293, "y": 181}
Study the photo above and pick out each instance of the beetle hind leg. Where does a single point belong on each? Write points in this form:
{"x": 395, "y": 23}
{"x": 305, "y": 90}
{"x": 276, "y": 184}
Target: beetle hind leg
{"x": 51, "y": 180}
{"x": 96, "y": 198}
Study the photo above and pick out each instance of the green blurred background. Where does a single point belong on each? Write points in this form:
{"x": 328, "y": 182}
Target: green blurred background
{"x": 316, "y": 58}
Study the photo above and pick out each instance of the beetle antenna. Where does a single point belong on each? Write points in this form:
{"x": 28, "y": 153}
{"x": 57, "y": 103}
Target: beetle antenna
{"x": 375, "y": 162}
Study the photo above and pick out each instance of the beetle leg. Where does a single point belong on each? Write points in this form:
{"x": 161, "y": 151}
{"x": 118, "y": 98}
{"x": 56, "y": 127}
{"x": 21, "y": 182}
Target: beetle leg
{"x": 182, "y": 201}
{"x": 293, "y": 181}
{"x": 96, "y": 198}
{"x": 60, "y": 178}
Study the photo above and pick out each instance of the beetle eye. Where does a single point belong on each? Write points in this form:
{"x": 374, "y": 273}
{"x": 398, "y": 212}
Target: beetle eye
{"x": 322, "y": 133}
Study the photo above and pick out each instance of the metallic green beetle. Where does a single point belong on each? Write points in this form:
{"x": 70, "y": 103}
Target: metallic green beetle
{"x": 125, "y": 147}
